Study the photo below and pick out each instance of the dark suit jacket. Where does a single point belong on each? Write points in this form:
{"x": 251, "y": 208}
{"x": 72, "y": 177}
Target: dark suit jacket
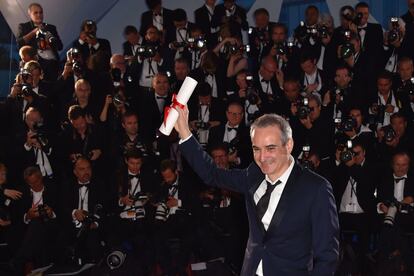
{"x": 202, "y": 20}
{"x": 25, "y": 28}
{"x": 220, "y": 14}
{"x": 104, "y": 46}
{"x": 304, "y": 228}
{"x": 385, "y": 190}
{"x": 146, "y": 20}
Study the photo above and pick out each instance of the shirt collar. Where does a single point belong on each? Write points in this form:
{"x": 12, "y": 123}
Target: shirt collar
{"x": 285, "y": 176}
{"x": 41, "y": 191}
{"x": 211, "y": 10}
{"x": 228, "y": 125}
{"x": 405, "y": 175}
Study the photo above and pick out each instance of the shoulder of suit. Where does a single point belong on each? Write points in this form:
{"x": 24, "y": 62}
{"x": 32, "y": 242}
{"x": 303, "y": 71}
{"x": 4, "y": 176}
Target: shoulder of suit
{"x": 311, "y": 178}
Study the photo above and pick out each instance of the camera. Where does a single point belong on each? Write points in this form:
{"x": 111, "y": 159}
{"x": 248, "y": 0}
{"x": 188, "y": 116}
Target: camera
{"x": 389, "y": 133}
{"x": 115, "y": 259}
{"x": 358, "y": 18}
{"x": 25, "y": 75}
{"x": 91, "y": 217}
{"x": 77, "y": 68}
{"x": 197, "y": 43}
{"x": 303, "y": 109}
{"x": 304, "y": 161}
{"x": 44, "y": 37}
{"x": 118, "y": 100}
{"x": 147, "y": 51}
{"x": 40, "y": 135}
{"x": 233, "y": 145}
{"x": 251, "y": 93}
{"x": 233, "y": 49}
{"x": 394, "y": 207}
{"x": 116, "y": 76}
{"x": 379, "y": 113}
{"x": 74, "y": 54}
{"x": 394, "y": 33}
{"x": 202, "y": 125}
{"x": 162, "y": 212}
{"x": 323, "y": 31}
{"x": 346, "y": 153}
{"x": 259, "y": 33}
{"x": 41, "y": 208}
{"x": 347, "y": 125}
{"x": 347, "y": 48}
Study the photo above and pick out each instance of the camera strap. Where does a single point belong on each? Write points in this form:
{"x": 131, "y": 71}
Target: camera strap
{"x": 135, "y": 190}
{"x": 353, "y": 189}
{"x": 151, "y": 71}
{"x": 203, "y": 116}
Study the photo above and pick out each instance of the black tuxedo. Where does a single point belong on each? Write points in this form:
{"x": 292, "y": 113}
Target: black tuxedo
{"x": 291, "y": 232}
{"x": 385, "y": 189}
{"x": 291, "y": 68}
{"x": 146, "y": 20}
{"x": 87, "y": 51}
{"x": 220, "y": 17}
{"x": 216, "y": 110}
{"x": 200, "y": 76}
{"x": 373, "y": 42}
{"x": 323, "y": 79}
{"x": 202, "y": 20}
{"x": 269, "y": 102}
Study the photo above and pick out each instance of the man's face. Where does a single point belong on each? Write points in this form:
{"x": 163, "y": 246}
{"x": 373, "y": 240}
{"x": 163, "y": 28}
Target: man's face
{"x": 241, "y": 81}
{"x": 410, "y": 4}
{"x": 130, "y": 124}
{"x": 234, "y": 115}
{"x": 3, "y": 176}
{"x": 221, "y": 158}
{"x": 359, "y": 155}
{"x": 291, "y": 90}
{"x": 211, "y": 2}
{"x": 83, "y": 170}
{"x": 33, "y": 118}
{"x": 365, "y": 15}
{"x": 268, "y": 70}
{"x": 169, "y": 176}
{"x": 35, "y": 182}
{"x": 228, "y": 4}
{"x": 278, "y": 35}
{"x": 204, "y": 100}
{"x": 400, "y": 165}
{"x": 180, "y": 24}
{"x": 261, "y": 20}
{"x": 152, "y": 35}
{"x": 311, "y": 17}
{"x": 356, "y": 114}
{"x": 132, "y": 38}
{"x": 161, "y": 85}
{"x": 308, "y": 66}
{"x": 406, "y": 69}
{"x": 134, "y": 165}
{"x": 384, "y": 86}
{"x": 118, "y": 61}
{"x": 79, "y": 124}
{"x": 181, "y": 70}
{"x": 399, "y": 125}
{"x": 36, "y": 15}
{"x": 268, "y": 151}
{"x": 82, "y": 92}
{"x": 315, "y": 110}
{"x": 342, "y": 78}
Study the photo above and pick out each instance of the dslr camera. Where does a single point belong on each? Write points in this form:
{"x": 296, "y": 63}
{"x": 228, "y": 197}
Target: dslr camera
{"x": 251, "y": 93}
{"x": 394, "y": 34}
{"x": 260, "y": 34}
{"x": 348, "y": 124}
{"x": 44, "y": 37}
{"x": 304, "y": 161}
{"x": 303, "y": 109}
{"x": 233, "y": 49}
{"x": 346, "y": 153}
{"x": 41, "y": 135}
{"x": 389, "y": 133}
{"x": 147, "y": 51}
{"x": 91, "y": 217}
{"x": 196, "y": 44}
{"x": 347, "y": 48}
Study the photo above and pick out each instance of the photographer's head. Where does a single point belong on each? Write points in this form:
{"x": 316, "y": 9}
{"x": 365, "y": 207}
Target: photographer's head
{"x": 315, "y": 107}
{"x": 169, "y": 172}
{"x": 398, "y": 124}
{"x": 35, "y": 70}
{"x": 268, "y": 68}
{"x": 234, "y": 114}
{"x": 89, "y": 27}
{"x": 77, "y": 118}
{"x": 33, "y": 177}
{"x": 291, "y": 88}
{"x": 229, "y": 4}
{"x": 27, "y": 53}
{"x": 203, "y": 91}
{"x": 279, "y": 33}
{"x": 33, "y": 117}
{"x": 209, "y": 62}
{"x": 400, "y": 164}
{"x": 154, "y": 5}
{"x": 130, "y": 123}
{"x": 384, "y": 83}
{"x": 35, "y": 12}
{"x": 118, "y": 61}
{"x": 220, "y": 155}
{"x": 308, "y": 63}
{"x": 152, "y": 34}
{"x": 311, "y": 15}
{"x": 261, "y": 18}
{"x": 405, "y": 68}
{"x": 82, "y": 169}
{"x": 179, "y": 18}
{"x": 131, "y": 35}
{"x": 362, "y": 8}
{"x": 181, "y": 68}
{"x": 82, "y": 90}
{"x": 343, "y": 76}
{"x": 133, "y": 161}
{"x": 346, "y": 14}
{"x": 355, "y": 112}
{"x": 359, "y": 153}
{"x": 272, "y": 144}
{"x": 160, "y": 84}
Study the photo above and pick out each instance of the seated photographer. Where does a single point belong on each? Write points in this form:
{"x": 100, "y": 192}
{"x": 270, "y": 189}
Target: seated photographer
{"x": 394, "y": 138}
{"x": 173, "y": 220}
{"x": 395, "y": 194}
{"x": 311, "y": 124}
{"x": 235, "y": 134}
{"x": 231, "y": 13}
{"x": 208, "y": 113}
{"x": 36, "y": 221}
{"x": 44, "y": 38}
{"x": 353, "y": 186}
{"x": 88, "y": 43}
{"x": 83, "y": 202}
{"x": 386, "y": 102}
{"x": 151, "y": 57}
{"x": 313, "y": 79}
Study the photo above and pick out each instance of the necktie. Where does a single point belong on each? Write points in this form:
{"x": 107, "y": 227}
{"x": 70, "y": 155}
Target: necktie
{"x": 132, "y": 176}
{"x": 263, "y": 202}
{"x": 360, "y": 29}
{"x": 231, "y": 128}
{"x": 161, "y": 97}
{"x": 396, "y": 180}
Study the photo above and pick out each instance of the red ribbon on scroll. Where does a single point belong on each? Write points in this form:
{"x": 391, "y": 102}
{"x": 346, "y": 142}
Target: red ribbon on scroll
{"x": 174, "y": 104}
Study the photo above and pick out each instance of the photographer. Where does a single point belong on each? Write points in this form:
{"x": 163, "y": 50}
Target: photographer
{"x": 177, "y": 36}
{"x": 88, "y": 43}
{"x": 208, "y": 113}
{"x": 237, "y": 60}
{"x": 27, "y": 53}
{"x": 37, "y": 221}
{"x": 353, "y": 186}
{"x": 408, "y": 17}
{"x": 404, "y": 84}
{"x": 232, "y": 14}
{"x": 259, "y": 36}
{"x": 313, "y": 80}
{"x": 133, "y": 41}
{"x": 181, "y": 71}
{"x": 157, "y": 16}
{"x": 173, "y": 220}
{"x": 82, "y": 205}
{"x": 306, "y": 31}
{"x": 42, "y": 37}
{"x": 82, "y": 96}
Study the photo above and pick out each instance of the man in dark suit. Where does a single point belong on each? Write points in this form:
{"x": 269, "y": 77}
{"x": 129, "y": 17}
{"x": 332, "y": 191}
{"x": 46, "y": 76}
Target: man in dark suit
{"x": 232, "y": 14}
{"x": 133, "y": 41}
{"x": 291, "y": 210}
{"x": 42, "y": 37}
{"x": 157, "y": 16}
{"x": 204, "y": 18}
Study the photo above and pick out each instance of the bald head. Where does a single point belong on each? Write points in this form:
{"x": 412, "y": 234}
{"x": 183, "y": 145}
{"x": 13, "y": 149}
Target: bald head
{"x": 268, "y": 68}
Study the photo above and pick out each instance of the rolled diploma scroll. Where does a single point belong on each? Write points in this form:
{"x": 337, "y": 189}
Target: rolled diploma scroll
{"x": 181, "y": 99}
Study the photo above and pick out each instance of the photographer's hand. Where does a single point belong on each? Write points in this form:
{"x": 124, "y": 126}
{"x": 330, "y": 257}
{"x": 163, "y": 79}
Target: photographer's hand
{"x": 49, "y": 211}
{"x": 4, "y": 222}
{"x": 126, "y": 200}
{"x": 32, "y": 213}
{"x": 306, "y": 122}
{"x": 79, "y": 215}
{"x": 172, "y": 202}
{"x": 96, "y": 153}
{"x": 13, "y": 194}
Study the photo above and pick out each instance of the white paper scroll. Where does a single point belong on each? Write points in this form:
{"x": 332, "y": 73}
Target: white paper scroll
{"x": 182, "y": 97}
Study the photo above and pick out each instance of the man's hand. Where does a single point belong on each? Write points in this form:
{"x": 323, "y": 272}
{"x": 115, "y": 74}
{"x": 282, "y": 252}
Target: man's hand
{"x": 96, "y": 153}
{"x": 326, "y": 98}
{"x": 293, "y": 108}
{"x": 49, "y": 211}
{"x": 181, "y": 126}
{"x": 306, "y": 122}
{"x": 32, "y": 213}
{"x": 67, "y": 70}
{"x": 126, "y": 200}
{"x": 311, "y": 87}
{"x": 79, "y": 215}
{"x": 383, "y": 208}
{"x": 389, "y": 108}
{"x": 279, "y": 76}
{"x": 13, "y": 194}
{"x": 4, "y": 222}
{"x": 172, "y": 202}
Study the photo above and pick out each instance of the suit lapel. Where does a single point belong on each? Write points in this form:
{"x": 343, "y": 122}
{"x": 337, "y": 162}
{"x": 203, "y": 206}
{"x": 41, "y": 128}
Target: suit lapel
{"x": 252, "y": 190}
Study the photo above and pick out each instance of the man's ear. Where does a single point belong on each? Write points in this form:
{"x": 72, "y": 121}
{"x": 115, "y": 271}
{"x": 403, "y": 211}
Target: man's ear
{"x": 289, "y": 145}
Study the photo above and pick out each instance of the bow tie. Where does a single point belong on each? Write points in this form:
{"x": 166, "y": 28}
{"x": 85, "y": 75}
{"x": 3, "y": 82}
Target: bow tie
{"x": 156, "y": 14}
{"x": 182, "y": 29}
{"x": 132, "y": 176}
{"x": 81, "y": 185}
{"x": 266, "y": 81}
{"x": 362, "y": 28}
{"x": 231, "y": 128}
{"x": 161, "y": 97}
{"x": 396, "y": 180}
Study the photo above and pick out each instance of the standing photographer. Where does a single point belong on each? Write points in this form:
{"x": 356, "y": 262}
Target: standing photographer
{"x": 42, "y": 37}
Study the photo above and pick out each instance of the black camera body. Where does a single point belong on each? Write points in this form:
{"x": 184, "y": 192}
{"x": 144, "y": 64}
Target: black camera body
{"x": 91, "y": 217}
{"x": 78, "y": 68}
{"x": 147, "y": 51}
{"x": 41, "y": 208}
{"x": 348, "y": 124}
{"x": 233, "y": 49}
{"x": 260, "y": 34}
{"x": 394, "y": 33}
{"x": 303, "y": 109}
{"x": 251, "y": 93}
{"x": 233, "y": 145}
{"x": 196, "y": 44}
{"x": 346, "y": 153}
{"x": 44, "y": 37}
{"x": 389, "y": 133}
{"x": 41, "y": 135}
{"x": 202, "y": 125}
{"x": 347, "y": 48}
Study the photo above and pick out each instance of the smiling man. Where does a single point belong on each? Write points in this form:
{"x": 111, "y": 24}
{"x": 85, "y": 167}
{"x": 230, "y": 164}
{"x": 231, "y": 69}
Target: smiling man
{"x": 292, "y": 215}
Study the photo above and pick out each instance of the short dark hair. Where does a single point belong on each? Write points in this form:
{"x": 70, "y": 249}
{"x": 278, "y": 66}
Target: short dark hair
{"x": 128, "y": 113}
{"x": 133, "y": 153}
{"x": 152, "y": 3}
{"x": 344, "y": 67}
{"x": 179, "y": 15}
{"x": 311, "y": 7}
{"x": 182, "y": 60}
{"x": 362, "y": 5}
{"x": 261, "y": 11}
{"x": 220, "y": 146}
{"x": 130, "y": 30}
{"x": 280, "y": 25}
{"x": 168, "y": 164}
{"x": 203, "y": 89}
{"x": 29, "y": 171}
{"x": 75, "y": 112}
{"x": 305, "y": 56}
{"x": 398, "y": 115}
{"x": 385, "y": 75}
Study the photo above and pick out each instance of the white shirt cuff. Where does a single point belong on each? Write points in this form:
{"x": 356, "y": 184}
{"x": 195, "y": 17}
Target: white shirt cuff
{"x": 184, "y": 140}
{"x": 27, "y": 147}
{"x": 180, "y": 203}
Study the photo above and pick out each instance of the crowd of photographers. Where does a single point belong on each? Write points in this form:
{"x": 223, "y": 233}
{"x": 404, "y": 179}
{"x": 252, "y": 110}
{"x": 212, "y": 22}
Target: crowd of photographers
{"x": 84, "y": 174}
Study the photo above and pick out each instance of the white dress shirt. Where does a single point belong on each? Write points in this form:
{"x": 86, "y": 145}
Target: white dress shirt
{"x": 211, "y": 80}
{"x": 229, "y": 135}
{"x": 349, "y": 201}
{"x": 266, "y": 86}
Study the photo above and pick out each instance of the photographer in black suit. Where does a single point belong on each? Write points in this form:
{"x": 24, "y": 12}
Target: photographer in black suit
{"x": 42, "y": 37}
{"x": 204, "y": 19}
{"x": 230, "y": 13}
{"x": 157, "y": 16}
